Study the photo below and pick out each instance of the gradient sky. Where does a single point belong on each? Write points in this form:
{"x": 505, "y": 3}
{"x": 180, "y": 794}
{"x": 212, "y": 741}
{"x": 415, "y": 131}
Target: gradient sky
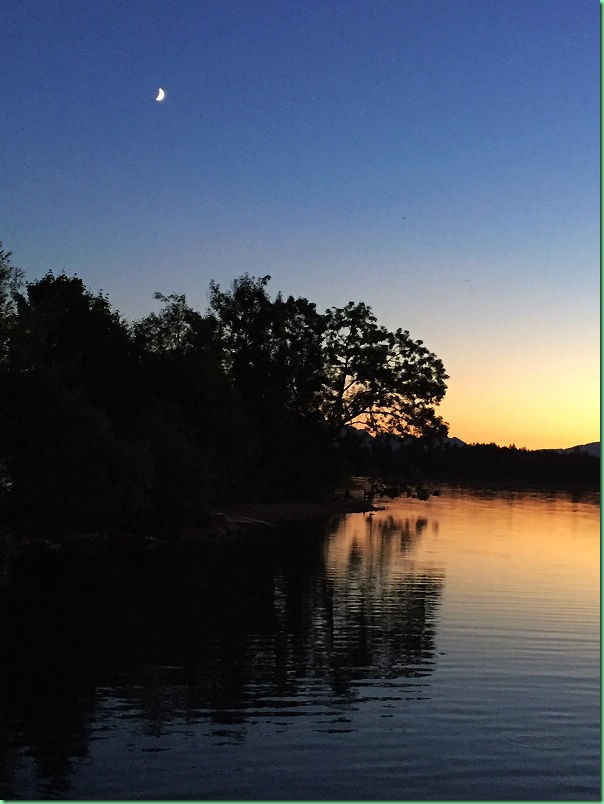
{"x": 437, "y": 159}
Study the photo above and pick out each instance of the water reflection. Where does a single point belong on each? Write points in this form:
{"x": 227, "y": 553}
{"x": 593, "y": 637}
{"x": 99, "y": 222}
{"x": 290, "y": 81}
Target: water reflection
{"x": 222, "y": 633}
{"x": 316, "y": 650}
{"x": 383, "y": 606}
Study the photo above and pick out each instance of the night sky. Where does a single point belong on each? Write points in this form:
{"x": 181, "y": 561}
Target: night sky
{"x": 436, "y": 160}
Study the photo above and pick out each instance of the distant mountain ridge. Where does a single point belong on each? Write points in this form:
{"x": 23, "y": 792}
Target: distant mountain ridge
{"x": 593, "y": 448}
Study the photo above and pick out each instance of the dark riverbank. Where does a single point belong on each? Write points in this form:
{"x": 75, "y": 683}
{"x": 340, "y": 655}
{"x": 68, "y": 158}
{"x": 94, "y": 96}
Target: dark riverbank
{"x": 233, "y": 521}
{"x": 282, "y": 513}
{"x": 242, "y": 519}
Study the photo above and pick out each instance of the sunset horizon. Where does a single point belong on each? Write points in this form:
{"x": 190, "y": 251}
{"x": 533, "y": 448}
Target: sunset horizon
{"x": 437, "y": 162}
{"x": 230, "y": 232}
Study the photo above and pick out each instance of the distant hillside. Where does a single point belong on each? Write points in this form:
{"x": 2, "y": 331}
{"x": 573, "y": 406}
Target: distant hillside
{"x": 593, "y": 449}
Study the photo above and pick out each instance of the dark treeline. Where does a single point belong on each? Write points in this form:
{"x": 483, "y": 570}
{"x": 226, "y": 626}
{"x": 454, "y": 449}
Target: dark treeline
{"x": 106, "y": 423}
{"x": 511, "y": 464}
{"x": 389, "y": 457}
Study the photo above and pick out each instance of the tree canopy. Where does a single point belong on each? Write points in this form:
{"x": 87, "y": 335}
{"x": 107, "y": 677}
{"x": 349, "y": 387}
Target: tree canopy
{"x": 272, "y": 349}
{"x": 153, "y": 423}
{"x": 11, "y": 279}
{"x": 379, "y": 380}
{"x": 341, "y": 366}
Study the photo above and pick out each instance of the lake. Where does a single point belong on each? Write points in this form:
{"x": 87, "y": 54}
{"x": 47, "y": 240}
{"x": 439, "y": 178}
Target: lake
{"x": 440, "y": 649}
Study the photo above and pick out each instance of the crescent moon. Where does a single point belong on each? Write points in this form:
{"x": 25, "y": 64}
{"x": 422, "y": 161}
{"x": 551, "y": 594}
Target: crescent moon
{"x": 160, "y": 94}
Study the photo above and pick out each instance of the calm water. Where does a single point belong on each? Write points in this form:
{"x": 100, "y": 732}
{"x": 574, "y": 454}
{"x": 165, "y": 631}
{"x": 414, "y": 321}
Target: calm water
{"x": 446, "y": 649}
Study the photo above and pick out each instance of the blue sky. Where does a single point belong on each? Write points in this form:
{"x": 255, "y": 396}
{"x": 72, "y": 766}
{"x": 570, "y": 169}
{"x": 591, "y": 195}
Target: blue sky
{"x": 437, "y": 160}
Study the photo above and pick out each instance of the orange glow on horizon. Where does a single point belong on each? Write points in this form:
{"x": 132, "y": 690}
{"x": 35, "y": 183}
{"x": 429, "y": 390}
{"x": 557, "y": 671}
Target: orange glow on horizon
{"x": 523, "y": 398}
{"x": 536, "y": 424}
{"x": 525, "y": 402}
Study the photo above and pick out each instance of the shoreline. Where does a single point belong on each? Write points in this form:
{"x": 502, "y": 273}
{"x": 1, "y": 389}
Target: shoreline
{"x": 240, "y": 519}
{"x": 272, "y": 514}
{"x": 233, "y": 521}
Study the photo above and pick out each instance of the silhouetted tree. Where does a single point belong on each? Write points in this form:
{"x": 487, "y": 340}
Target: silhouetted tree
{"x": 176, "y": 329}
{"x": 11, "y": 279}
{"x": 197, "y": 427}
{"x": 341, "y": 365}
{"x": 71, "y": 458}
{"x": 380, "y": 380}
{"x": 272, "y": 352}
{"x": 272, "y": 349}
{"x": 106, "y": 423}
{"x": 73, "y": 338}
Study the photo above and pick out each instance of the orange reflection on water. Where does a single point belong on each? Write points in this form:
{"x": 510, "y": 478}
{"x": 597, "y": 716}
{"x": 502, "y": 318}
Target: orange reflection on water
{"x": 499, "y": 556}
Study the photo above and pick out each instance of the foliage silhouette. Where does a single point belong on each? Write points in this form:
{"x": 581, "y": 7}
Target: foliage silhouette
{"x": 11, "y": 280}
{"x": 272, "y": 349}
{"x": 69, "y": 390}
{"x": 409, "y": 460}
{"x": 380, "y": 380}
{"x": 153, "y": 424}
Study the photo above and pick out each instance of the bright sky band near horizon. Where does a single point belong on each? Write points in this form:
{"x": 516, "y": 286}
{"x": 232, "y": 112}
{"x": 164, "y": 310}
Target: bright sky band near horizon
{"x": 436, "y": 159}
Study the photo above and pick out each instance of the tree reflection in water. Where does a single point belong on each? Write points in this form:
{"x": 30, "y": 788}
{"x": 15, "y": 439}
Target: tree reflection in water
{"x": 216, "y": 634}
